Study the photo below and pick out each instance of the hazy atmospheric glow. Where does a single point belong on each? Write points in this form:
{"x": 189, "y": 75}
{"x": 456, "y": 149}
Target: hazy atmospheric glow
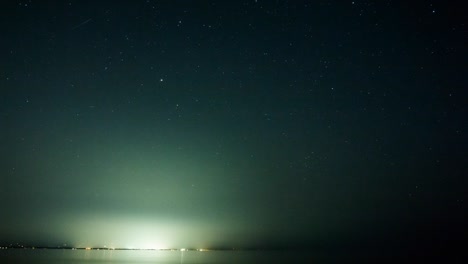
{"x": 233, "y": 124}
{"x": 132, "y": 232}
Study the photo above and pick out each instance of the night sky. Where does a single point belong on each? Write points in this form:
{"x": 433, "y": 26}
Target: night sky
{"x": 232, "y": 123}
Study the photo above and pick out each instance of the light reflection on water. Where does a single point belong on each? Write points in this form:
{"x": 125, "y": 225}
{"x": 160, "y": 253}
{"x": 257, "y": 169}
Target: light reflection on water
{"x": 49, "y": 256}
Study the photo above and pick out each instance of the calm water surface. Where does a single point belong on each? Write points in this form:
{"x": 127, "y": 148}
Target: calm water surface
{"x": 50, "y": 256}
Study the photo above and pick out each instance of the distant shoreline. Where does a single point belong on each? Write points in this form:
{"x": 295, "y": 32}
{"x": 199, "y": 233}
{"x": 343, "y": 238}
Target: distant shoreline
{"x": 136, "y": 249}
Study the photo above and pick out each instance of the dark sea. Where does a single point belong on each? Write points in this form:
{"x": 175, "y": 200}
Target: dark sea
{"x": 67, "y": 256}
{"x": 62, "y": 256}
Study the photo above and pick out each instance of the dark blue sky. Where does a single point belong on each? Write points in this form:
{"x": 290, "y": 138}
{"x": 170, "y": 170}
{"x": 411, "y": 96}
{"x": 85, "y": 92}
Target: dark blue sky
{"x": 248, "y": 123}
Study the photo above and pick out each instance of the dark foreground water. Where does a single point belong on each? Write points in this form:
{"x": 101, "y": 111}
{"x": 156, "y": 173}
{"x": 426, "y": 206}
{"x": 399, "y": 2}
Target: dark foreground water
{"x": 56, "y": 256}
{"x": 52, "y": 256}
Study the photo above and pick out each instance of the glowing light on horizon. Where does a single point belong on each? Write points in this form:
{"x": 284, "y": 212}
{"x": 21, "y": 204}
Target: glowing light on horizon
{"x": 151, "y": 247}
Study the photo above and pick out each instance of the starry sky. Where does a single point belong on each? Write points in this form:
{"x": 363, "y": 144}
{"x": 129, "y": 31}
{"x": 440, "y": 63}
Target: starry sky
{"x": 246, "y": 123}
